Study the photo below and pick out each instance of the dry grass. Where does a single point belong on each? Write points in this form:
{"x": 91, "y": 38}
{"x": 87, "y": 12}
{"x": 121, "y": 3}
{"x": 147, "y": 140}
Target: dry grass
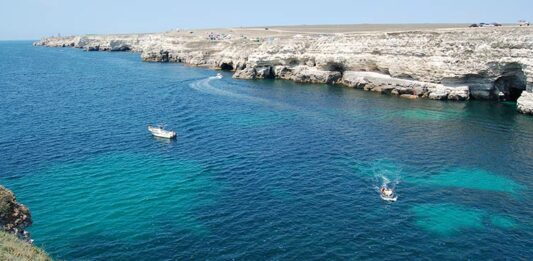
{"x": 14, "y": 249}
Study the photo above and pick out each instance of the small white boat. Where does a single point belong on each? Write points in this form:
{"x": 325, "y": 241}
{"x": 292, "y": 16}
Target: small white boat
{"x": 388, "y": 194}
{"x": 160, "y": 132}
{"x": 219, "y": 76}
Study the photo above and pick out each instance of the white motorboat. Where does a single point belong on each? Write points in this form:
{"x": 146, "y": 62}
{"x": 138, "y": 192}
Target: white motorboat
{"x": 219, "y": 76}
{"x": 388, "y": 194}
{"x": 158, "y": 131}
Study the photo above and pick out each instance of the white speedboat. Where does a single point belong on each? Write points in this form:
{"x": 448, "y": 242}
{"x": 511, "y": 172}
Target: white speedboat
{"x": 388, "y": 194}
{"x": 219, "y": 76}
{"x": 160, "y": 132}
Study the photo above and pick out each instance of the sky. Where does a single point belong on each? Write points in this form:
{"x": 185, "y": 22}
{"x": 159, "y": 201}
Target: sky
{"x": 33, "y": 19}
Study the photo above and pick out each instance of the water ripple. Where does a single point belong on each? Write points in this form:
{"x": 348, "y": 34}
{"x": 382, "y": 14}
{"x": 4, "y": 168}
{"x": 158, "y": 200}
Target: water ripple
{"x": 260, "y": 169}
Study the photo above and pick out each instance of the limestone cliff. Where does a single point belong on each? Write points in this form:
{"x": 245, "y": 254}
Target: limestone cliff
{"x": 441, "y": 64}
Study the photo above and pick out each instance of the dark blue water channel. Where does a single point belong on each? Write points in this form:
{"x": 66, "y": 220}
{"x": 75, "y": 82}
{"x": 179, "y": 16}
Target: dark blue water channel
{"x": 260, "y": 169}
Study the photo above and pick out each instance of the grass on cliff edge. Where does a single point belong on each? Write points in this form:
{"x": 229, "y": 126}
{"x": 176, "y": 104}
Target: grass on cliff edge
{"x": 14, "y": 249}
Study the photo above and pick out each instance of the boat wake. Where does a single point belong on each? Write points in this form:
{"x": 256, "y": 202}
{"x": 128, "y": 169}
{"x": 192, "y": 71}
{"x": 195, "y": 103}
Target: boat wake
{"x": 205, "y": 86}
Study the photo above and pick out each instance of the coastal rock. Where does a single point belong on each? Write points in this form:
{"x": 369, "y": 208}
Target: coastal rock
{"x": 459, "y": 94}
{"x": 306, "y": 74}
{"x": 161, "y": 56}
{"x": 525, "y": 103}
{"x": 409, "y": 96}
{"x": 14, "y": 217}
{"x": 444, "y": 64}
{"x": 92, "y": 48}
{"x": 118, "y": 46}
{"x": 247, "y": 73}
{"x": 438, "y": 95}
{"x": 264, "y": 72}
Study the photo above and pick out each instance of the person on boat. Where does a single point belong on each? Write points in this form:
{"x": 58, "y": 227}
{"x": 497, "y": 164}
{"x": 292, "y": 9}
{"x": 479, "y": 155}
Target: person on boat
{"x": 387, "y": 192}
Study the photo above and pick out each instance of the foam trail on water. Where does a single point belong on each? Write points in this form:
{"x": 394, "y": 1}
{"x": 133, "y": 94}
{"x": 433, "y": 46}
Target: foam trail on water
{"x": 385, "y": 181}
{"x": 205, "y": 86}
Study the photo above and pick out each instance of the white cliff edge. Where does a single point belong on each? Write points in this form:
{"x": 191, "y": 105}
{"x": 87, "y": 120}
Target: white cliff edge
{"x": 444, "y": 64}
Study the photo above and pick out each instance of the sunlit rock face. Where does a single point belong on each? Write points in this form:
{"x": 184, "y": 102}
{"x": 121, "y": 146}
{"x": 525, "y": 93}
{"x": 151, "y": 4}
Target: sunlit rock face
{"x": 14, "y": 217}
{"x": 525, "y": 103}
{"x": 439, "y": 64}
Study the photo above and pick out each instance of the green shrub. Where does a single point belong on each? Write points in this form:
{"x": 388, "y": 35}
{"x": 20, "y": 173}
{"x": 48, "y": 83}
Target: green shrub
{"x": 14, "y": 249}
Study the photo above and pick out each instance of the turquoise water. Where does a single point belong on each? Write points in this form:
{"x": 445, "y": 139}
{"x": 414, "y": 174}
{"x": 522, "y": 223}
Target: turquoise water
{"x": 260, "y": 169}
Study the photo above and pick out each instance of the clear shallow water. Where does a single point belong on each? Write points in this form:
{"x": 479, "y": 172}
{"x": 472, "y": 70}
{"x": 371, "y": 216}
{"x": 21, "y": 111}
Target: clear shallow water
{"x": 260, "y": 169}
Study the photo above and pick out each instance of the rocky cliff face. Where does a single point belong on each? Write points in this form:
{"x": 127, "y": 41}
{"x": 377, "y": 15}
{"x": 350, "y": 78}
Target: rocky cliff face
{"x": 441, "y": 64}
{"x": 14, "y": 217}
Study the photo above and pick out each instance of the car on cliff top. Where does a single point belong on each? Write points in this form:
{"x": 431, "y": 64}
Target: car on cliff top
{"x": 523, "y": 23}
{"x": 486, "y": 25}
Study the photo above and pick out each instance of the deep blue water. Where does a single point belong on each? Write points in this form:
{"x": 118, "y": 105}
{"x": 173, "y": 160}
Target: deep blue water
{"x": 260, "y": 169}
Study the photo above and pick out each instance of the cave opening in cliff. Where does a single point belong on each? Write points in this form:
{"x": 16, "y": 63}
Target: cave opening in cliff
{"x": 293, "y": 62}
{"x": 226, "y": 67}
{"x": 335, "y": 67}
{"x": 510, "y": 86}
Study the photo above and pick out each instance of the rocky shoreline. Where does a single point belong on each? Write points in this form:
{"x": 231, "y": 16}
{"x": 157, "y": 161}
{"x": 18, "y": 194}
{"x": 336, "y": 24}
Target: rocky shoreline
{"x": 15, "y": 240}
{"x": 440, "y": 64}
{"x": 14, "y": 217}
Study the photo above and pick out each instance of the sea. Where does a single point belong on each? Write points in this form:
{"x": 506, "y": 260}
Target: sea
{"x": 260, "y": 170}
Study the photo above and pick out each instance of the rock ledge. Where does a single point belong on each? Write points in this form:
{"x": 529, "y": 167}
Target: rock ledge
{"x": 441, "y": 64}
